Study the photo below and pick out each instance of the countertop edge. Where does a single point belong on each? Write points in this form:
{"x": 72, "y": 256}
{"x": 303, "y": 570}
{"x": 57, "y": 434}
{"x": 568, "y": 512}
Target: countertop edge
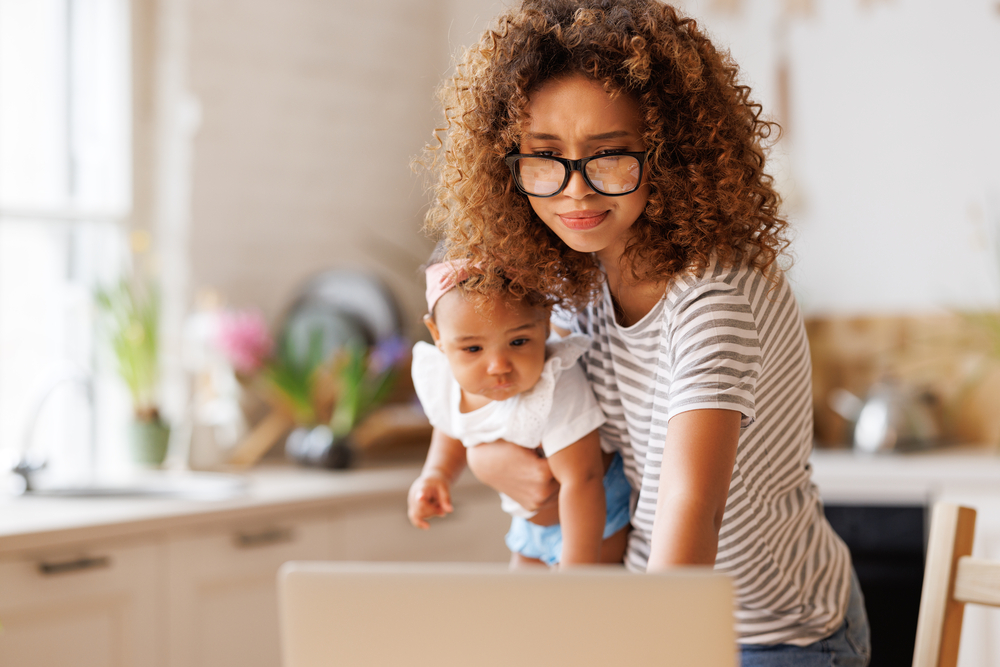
{"x": 271, "y": 495}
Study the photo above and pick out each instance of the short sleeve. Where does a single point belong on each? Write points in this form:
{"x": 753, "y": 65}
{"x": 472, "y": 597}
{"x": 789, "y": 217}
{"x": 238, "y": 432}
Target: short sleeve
{"x": 715, "y": 352}
{"x": 432, "y": 381}
{"x": 575, "y": 412}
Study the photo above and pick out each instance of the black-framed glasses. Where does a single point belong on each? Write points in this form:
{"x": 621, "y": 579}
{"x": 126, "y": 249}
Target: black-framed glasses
{"x": 610, "y": 174}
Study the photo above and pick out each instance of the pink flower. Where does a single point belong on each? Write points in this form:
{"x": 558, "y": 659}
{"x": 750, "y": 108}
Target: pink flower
{"x": 244, "y": 338}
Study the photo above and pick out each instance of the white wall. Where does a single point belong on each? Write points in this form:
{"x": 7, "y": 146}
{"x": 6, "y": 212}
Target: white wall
{"x": 310, "y": 115}
{"x": 891, "y": 167}
{"x": 311, "y": 112}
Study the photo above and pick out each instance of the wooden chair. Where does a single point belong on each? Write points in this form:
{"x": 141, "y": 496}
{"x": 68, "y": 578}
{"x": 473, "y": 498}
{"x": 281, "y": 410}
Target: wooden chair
{"x": 952, "y": 578}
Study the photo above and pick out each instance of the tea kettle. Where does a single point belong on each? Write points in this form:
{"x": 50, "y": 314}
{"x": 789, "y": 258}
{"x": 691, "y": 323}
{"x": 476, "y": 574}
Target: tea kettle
{"x": 889, "y": 418}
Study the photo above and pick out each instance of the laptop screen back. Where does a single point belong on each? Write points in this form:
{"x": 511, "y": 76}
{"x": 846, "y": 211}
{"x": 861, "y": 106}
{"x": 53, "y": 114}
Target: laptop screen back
{"x": 416, "y": 615}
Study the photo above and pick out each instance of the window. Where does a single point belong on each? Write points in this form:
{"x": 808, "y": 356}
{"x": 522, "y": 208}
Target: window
{"x": 65, "y": 191}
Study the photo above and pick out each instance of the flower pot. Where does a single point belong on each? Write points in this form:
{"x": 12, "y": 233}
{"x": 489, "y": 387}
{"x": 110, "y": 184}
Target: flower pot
{"x": 318, "y": 448}
{"x": 148, "y": 441}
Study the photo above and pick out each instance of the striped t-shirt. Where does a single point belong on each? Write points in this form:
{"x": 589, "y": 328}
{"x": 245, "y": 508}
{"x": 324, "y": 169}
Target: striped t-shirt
{"x": 727, "y": 338}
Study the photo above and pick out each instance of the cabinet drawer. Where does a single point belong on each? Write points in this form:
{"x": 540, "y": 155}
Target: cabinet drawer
{"x": 223, "y": 593}
{"x": 89, "y": 605}
{"x": 474, "y": 532}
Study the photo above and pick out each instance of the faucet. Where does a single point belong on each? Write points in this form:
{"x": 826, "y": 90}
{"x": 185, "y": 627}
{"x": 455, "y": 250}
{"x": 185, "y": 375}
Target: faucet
{"x": 30, "y": 462}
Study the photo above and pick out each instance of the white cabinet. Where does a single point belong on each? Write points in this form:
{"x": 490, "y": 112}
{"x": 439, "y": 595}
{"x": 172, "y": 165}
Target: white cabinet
{"x": 196, "y": 586}
{"x": 95, "y": 605}
{"x": 222, "y": 601}
{"x": 380, "y": 531}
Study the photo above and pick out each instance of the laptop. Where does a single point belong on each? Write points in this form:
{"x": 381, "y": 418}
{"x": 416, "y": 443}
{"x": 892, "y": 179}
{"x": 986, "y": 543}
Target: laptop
{"x": 348, "y": 614}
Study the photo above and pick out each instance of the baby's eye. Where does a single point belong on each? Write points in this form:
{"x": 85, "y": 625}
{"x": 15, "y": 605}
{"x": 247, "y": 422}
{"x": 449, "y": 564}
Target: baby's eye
{"x": 517, "y": 342}
{"x": 472, "y": 349}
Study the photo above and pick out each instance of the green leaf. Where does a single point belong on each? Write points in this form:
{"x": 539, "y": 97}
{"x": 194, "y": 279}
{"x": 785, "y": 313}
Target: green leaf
{"x": 295, "y": 379}
{"x": 131, "y": 323}
{"x": 360, "y": 390}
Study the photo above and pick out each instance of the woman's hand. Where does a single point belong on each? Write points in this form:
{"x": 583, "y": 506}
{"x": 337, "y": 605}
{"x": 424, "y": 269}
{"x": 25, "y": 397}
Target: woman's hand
{"x": 520, "y": 473}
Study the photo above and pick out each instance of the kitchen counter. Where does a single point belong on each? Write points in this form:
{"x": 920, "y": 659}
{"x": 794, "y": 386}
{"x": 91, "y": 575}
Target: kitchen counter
{"x": 919, "y": 478}
{"x": 218, "y": 554}
{"x": 843, "y": 477}
{"x": 38, "y": 521}
{"x": 142, "y": 581}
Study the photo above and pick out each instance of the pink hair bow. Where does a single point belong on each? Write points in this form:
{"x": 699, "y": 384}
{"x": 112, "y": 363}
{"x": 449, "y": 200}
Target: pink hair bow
{"x": 442, "y": 277}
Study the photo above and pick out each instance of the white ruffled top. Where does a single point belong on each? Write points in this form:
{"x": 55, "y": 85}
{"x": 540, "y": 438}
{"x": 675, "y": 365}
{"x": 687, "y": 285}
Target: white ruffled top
{"x": 555, "y": 413}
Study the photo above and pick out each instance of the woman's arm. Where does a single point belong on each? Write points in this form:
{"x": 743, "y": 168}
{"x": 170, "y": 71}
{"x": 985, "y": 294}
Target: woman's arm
{"x": 579, "y": 470}
{"x": 519, "y": 473}
{"x": 698, "y": 460}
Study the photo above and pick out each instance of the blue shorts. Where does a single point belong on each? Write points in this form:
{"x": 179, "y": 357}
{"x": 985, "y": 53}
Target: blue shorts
{"x": 545, "y": 542}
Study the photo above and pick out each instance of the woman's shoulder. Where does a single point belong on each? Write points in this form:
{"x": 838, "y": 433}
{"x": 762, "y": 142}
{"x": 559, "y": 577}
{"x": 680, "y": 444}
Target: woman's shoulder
{"x": 740, "y": 280}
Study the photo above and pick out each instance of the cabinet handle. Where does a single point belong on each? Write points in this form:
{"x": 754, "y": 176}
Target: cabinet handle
{"x": 263, "y": 538}
{"x": 77, "y": 565}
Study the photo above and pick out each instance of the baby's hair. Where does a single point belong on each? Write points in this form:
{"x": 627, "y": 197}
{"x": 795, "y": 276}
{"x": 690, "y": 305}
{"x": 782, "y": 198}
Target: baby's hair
{"x": 472, "y": 289}
{"x": 709, "y": 194}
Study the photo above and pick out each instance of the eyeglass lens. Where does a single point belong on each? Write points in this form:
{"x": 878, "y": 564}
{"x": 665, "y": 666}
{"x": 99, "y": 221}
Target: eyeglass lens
{"x": 612, "y": 174}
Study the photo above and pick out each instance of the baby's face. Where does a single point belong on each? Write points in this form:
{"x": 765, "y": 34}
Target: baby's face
{"x": 494, "y": 355}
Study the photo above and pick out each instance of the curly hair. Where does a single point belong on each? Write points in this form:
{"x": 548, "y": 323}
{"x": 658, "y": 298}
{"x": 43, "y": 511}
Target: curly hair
{"x": 478, "y": 289}
{"x": 708, "y": 193}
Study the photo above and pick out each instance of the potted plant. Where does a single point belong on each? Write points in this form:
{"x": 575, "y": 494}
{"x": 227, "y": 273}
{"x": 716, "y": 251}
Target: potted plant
{"x": 363, "y": 378}
{"x": 329, "y": 398}
{"x": 132, "y": 319}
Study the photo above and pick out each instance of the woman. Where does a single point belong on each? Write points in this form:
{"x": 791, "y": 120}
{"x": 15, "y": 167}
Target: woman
{"x": 604, "y": 153}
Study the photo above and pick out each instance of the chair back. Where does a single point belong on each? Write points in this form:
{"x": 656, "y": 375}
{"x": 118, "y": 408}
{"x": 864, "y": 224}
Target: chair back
{"x": 952, "y": 579}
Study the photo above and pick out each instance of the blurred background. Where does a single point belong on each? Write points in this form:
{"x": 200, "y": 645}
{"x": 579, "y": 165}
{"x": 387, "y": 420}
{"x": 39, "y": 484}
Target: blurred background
{"x": 230, "y": 150}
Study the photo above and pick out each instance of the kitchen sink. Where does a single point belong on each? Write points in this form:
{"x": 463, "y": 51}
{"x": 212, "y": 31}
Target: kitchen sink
{"x": 151, "y": 483}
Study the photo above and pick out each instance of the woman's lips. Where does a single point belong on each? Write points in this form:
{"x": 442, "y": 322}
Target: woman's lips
{"x": 582, "y": 220}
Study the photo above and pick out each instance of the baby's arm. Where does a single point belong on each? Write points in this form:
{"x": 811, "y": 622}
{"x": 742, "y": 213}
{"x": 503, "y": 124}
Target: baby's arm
{"x": 430, "y": 494}
{"x": 580, "y": 472}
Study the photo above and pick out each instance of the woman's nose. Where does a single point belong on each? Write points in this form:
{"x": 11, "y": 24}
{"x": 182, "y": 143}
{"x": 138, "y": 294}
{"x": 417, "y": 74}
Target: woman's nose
{"x": 577, "y": 187}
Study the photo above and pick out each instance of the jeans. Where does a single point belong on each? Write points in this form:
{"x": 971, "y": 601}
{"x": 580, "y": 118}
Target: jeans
{"x": 849, "y": 646}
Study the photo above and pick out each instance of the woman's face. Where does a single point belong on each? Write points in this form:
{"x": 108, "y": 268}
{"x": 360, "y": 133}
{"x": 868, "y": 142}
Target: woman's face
{"x": 573, "y": 118}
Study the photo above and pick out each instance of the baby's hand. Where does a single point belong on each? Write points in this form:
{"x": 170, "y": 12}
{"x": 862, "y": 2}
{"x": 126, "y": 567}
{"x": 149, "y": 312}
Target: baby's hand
{"x": 429, "y": 496}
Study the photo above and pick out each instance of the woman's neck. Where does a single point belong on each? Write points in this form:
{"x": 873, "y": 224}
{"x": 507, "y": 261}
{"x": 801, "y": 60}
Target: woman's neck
{"x": 632, "y": 299}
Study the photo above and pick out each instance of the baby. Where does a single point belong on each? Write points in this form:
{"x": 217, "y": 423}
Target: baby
{"x": 492, "y": 374}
